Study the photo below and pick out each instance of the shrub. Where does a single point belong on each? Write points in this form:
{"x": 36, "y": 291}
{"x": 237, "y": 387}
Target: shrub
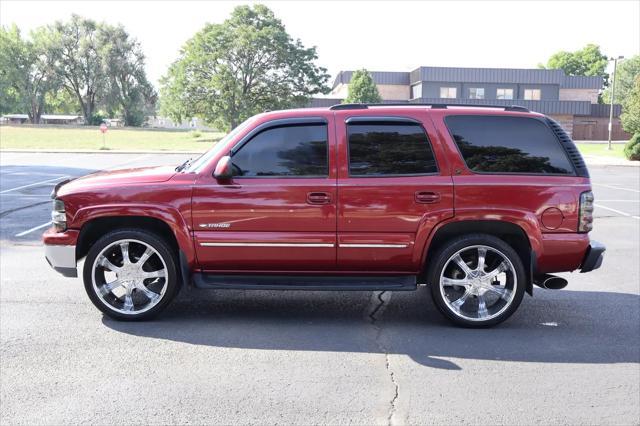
{"x": 195, "y": 134}
{"x": 632, "y": 148}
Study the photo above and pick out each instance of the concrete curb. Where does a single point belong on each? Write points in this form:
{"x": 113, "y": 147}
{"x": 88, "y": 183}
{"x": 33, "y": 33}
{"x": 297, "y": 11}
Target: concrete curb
{"x": 93, "y": 151}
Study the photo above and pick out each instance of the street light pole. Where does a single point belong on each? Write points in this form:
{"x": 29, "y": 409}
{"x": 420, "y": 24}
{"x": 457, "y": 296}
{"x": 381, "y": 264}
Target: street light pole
{"x": 613, "y": 95}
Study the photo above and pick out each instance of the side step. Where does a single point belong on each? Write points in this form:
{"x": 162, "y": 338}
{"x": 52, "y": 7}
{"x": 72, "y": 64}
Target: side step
{"x": 305, "y": 282}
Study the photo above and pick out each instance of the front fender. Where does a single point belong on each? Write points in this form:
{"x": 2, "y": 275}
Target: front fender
{"x": 167, "y": 214}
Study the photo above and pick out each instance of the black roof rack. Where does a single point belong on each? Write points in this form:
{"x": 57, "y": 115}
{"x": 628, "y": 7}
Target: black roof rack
{"x": 434, "y": 106}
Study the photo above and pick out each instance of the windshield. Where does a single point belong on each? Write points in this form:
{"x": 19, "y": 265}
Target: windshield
{"x": 204, "y": 159}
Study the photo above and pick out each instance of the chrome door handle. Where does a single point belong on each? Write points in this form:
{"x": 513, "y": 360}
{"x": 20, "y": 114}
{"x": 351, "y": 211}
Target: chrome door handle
{"x": 426, "y": 197}
{"x": 318, "y": 198}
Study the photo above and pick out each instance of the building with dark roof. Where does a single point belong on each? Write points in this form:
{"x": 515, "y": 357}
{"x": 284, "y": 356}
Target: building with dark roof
{"x": 570, "y": 100}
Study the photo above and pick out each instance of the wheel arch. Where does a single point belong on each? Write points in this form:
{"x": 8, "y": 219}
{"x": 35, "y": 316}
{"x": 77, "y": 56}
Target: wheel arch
{"x": 512, "y": 233}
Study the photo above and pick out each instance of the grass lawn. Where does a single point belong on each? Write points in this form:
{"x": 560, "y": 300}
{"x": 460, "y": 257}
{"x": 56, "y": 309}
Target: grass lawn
{"x": 601, "y": 150}
{"x": 29, "y": 137}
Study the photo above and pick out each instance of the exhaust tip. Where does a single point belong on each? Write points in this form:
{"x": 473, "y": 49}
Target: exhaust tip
{"x": 551, "y": 282}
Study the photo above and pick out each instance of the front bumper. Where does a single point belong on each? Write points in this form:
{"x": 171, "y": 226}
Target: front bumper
{"x": 62, "y": 259}
{"x": 60, "y": 251}
{"x": 594, "y": 256}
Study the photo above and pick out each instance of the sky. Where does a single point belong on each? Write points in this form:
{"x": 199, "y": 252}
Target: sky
{"x": 377, "y": 35}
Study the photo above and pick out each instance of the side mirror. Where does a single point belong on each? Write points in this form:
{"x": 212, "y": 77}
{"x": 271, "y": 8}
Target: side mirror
{"x": 223, "y": 169}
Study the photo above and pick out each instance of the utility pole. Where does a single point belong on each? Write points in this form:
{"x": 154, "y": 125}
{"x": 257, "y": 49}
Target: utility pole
{"x": 613, "y": 95}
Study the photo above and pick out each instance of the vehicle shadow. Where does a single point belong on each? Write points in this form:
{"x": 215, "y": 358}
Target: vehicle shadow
{"x": 552, "y": 327}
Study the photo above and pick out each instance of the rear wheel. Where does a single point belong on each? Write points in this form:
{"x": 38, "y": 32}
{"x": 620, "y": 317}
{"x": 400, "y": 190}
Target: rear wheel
{"x": 477, "y": 280}
{"x": 130, "y": 274}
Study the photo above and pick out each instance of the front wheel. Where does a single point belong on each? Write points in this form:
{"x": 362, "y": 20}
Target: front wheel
{"x": 130, "y": 274}
{"x": 477, "y": 280}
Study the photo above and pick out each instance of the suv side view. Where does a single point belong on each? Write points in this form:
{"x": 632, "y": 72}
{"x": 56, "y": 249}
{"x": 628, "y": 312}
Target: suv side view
{"x": 477, "y": 202}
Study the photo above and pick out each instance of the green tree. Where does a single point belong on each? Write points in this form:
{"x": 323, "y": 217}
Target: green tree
{"x": 129, "y": 94}
{"x": 588, "y": 61}
{"x": 78, "y": 61}
{"x": 628, "y": 70}
{"x": 362, "y": 89}
{"x": 248, "y": 64}
{"x": 61, "y": 102}
{"x": 631, "y": 116}
{"x": 26, "y": 72}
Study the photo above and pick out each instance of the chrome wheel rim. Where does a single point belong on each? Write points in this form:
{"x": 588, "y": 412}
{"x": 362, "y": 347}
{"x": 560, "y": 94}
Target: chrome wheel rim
{"x": 478, "y": 283}
{"x": 129, "y": 276}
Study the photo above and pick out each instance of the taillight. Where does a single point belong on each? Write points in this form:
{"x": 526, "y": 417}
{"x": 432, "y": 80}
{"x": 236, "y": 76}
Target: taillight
{"x": 585, "y": 217}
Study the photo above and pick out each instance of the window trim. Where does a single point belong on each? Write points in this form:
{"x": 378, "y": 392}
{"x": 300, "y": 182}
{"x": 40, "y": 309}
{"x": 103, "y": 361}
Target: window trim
{"x": 390, "y": 120}
{"x": 283, "y": 122}
{"x": 538, "y": 119}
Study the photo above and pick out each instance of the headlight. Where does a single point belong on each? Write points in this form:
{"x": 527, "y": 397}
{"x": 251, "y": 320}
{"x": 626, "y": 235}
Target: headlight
{"x": 58, "y": 215}
{"x": 585, "y": 217}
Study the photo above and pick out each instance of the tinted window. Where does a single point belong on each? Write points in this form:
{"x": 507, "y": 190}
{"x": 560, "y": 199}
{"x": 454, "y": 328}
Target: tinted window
{"x": 298, "y": 150}
{"x": 389, "y": 149}
{"x": 508, "y": 145}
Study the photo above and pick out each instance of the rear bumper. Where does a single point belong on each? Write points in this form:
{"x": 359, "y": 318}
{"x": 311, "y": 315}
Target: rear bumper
{"x": 594, "y": 257}
{"x": 60, "y": 251}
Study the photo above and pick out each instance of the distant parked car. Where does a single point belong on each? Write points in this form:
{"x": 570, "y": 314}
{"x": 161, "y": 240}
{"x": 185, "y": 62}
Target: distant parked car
{"x": 479, "y": 203}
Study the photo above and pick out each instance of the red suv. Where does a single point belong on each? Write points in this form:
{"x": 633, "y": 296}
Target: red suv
{"x": 478, "y": 203}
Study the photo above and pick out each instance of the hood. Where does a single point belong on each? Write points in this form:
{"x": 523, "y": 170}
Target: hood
{"x": 116, "y": 178}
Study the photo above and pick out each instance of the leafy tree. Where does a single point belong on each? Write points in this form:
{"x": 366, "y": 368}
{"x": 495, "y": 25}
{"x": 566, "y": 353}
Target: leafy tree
{"x": 631, "y": 116}
{"x": 588, "y": 61}
{"x": 78, "y": 61}
{"x": 129, "y": 93}
{"x": 628, "y": 70}
{"x": 26, "y": 74}
{"x": 61, "y": 102}
{"x": 362, "y": 88}
{"x": 248, "y": 64}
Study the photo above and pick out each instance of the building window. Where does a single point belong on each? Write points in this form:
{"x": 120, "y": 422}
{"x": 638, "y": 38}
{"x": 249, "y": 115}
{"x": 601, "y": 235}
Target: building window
{"x": 416, "y": 91}
{"x": 532, "y": 94}
{"x": 448, "y": 92}
{"x": 504, "y": 94}
{"x": 476, "y": 93}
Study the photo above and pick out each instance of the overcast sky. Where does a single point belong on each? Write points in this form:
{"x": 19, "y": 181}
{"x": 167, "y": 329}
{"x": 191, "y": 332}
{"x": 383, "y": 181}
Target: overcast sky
{"x": 377, "y": 35}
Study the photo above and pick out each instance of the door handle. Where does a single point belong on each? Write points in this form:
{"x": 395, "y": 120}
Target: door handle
{"x": 426, "y": 197}
{"x": 318, "y": 198}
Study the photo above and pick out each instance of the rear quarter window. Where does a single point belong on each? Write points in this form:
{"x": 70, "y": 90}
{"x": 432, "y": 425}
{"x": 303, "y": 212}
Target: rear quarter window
{"x": 506, "y": 144}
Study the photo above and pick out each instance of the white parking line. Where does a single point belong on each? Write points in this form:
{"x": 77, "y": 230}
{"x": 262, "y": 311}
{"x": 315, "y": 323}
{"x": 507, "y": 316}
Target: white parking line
{"x": 619, "y": 201}
{"x": 616, "y": 211}
{"x": 33, "y": 184}
{"x": 616, "y": 187}
{"x": 35, "y": 228}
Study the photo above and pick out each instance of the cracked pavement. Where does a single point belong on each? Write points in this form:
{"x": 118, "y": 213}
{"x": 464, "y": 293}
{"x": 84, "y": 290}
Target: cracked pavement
{"x": 266, "y": 357}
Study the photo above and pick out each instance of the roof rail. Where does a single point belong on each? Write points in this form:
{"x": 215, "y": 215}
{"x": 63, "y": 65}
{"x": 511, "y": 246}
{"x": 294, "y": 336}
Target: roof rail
{"x": 432, "y": 105}
{"x": 348, "y": 106}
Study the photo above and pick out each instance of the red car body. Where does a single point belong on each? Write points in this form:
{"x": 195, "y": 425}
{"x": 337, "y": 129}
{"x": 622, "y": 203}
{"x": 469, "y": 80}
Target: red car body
{"x": 328, "y": 225}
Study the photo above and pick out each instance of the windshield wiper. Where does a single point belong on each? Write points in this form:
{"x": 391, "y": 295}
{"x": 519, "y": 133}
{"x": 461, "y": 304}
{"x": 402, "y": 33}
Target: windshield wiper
{"x": 183, "y": 165}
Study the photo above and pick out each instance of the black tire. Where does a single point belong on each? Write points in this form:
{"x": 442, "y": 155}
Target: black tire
{"x": 163, "y": 251}
{"x": 440, "y": 260}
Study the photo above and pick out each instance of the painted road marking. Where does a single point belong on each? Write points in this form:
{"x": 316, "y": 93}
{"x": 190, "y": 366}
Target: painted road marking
{"x": 616, "y": 187}
{"x": 619, "y": 201}
{"x": 33, "y": 184}
{"x": 35, "y": 228}
{"x": 616, "y": 211}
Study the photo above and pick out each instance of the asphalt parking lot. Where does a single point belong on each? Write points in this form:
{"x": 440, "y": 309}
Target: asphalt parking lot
{"x": 237, "y": 357}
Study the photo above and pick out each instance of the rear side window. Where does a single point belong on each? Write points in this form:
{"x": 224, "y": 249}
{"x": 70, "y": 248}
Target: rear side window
{"x": 494, "y": 144}
{"x": 388, "y": 149}
{"x": 294, "y": 150}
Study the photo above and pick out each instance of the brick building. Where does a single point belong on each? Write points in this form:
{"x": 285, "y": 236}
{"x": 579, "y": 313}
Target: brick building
{"x": 570, "y": 100}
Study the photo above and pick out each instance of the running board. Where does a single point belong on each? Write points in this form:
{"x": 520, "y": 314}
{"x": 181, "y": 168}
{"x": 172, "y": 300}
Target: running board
{"x": 305, "y": 282}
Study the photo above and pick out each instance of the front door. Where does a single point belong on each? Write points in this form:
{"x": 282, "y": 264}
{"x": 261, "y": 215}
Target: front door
{"x": 391, "y": 191}
{"x": 278, "y": 213}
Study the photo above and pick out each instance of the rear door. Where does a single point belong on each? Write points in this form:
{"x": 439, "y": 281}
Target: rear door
{"x": 393, "y": 187}
{"x": 279, "y": 211}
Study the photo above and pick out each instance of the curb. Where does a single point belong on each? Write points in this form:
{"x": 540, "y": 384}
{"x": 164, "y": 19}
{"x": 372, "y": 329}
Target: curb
{"x": 93, "y": 151}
